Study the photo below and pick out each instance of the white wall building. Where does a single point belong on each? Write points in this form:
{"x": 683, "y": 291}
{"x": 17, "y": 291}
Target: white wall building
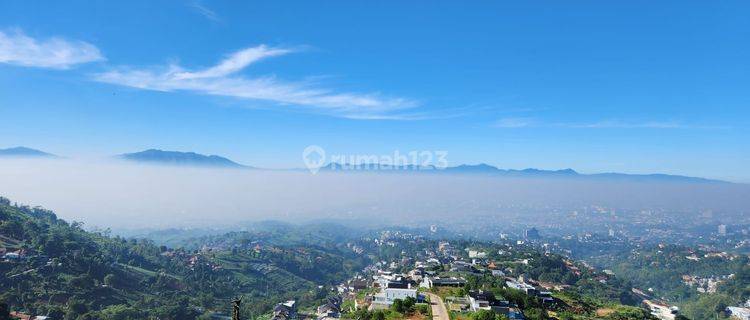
{"x": 498, "y": 273}
{"x": 739, "y": 313}
{"x": 477, "y": 254}
{"x": 388, "y": 295}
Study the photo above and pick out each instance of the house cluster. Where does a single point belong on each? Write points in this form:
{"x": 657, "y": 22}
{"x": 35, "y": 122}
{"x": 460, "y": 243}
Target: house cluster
{"x": 196, "y": 260}
{"x": 392, "y": 238}
{"x": 353, "y": 285}
{"x": 434, "y": 268}
{"x": 390, "y": 286}
{"x": 705, "y": 284}
{"x": 192, "y": 259}
{"x": 479, "y": 300}
{"x": 531, "y": 288}
{"x": 355, "y": 248}
{"x": 285, "y": 311}
{"x": 388, "y": 281}
{"x": 330, "y": 310}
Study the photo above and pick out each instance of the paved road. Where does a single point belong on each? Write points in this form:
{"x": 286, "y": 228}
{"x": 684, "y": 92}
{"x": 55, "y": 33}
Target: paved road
{"x": 439, "y": 311}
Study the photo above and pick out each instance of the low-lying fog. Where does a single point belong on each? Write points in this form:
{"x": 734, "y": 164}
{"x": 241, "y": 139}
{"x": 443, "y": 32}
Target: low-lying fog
{"x": 118, "y": 195}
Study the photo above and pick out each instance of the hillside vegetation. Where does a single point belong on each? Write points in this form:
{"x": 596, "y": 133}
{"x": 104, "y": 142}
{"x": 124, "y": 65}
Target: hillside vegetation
{"x": 69, "y": 273}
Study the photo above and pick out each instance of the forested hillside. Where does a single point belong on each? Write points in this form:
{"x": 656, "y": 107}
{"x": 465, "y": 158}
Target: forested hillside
{"x": 66, "y": 272}
{"x": 699, "y": 281}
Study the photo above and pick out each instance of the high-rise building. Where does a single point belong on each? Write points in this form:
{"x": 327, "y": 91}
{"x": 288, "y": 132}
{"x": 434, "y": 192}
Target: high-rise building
{"x": 531, "y": 234}
{"x": 722, "y": 230}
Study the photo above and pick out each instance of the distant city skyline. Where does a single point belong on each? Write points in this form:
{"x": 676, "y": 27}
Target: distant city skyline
{"x": 636, "y": 87}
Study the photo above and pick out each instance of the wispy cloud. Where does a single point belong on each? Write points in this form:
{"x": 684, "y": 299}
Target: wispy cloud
{"x": 604, "y": 124}
{"x": 16, "y": 48}
{"x": 514, "y": 123}
{"x": 616, "y": 124}
{"x": 223, "y": 80}
{"x": 235, "y": 62}
{"x": 204, "y": 11}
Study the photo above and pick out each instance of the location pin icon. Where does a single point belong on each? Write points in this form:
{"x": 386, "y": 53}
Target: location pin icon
{"x": 314, "y": 158}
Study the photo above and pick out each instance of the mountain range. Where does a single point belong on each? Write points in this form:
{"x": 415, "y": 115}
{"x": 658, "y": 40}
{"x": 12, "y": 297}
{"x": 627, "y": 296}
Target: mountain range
{"x": 156, "y": 156}
{"x": 23, "y": 152}
{"x": 489, "y": 170}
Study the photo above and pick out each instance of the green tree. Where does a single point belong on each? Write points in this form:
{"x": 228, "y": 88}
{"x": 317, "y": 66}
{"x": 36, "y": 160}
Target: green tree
{"x": 121, "y": 312}
{"x": 398, "y": 306}
{"x": 4, "y": 311}
{"x": 75, "y": 309}
{"x": 707, "y": 306}
{"x": 483, "y": 315}
{"x": 535, "y": 314}
{"x": 720, "y": 309}
{"x": 378, "y": 315}
{"x": 82, "y": 282}
{"x": 423, "y": 308}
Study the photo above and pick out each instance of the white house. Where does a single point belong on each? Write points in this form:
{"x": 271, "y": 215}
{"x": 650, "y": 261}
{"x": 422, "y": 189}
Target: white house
{"x": 477, "y": 254}
{"x": 498, "y": 273}
{"x": 527, "y": 288}
{"x": 426, "y": 282}
{"x": 12, "y": 256}
{"x": 477, "y": 304}
{"x": 388, "y": 295}
{"x": 739, "y": 313}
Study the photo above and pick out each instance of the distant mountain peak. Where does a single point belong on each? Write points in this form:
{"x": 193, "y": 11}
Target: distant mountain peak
{"x": 482, "y": 167}
{"x": 567, "y": 171}
{"x": 489, "y": 170}
{"x": 25, "y": 152}
{"x": 157, "y": 156}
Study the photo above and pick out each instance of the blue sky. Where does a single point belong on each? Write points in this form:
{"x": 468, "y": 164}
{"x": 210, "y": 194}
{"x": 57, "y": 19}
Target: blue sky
{"x": 634, "y": 86}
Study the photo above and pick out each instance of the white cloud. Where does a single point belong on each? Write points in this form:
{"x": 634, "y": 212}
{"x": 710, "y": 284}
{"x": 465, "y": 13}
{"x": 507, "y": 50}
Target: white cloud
{"x": 16, "y": 48}
{"x": 222, "y": 80}
{"x": 235, "y": 62}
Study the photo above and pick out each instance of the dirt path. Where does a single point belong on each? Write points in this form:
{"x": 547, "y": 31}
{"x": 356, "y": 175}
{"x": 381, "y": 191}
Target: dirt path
{"x": 439, "y": 311}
